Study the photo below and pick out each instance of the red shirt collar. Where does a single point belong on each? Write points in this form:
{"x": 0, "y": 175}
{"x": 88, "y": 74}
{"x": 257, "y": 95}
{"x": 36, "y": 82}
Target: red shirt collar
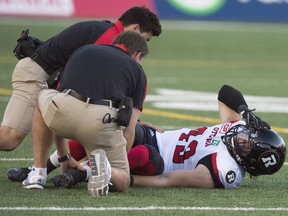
{"x": 121, "y": 46}
{"x": 108, "y": 36}
{"x": 119, "y": 26}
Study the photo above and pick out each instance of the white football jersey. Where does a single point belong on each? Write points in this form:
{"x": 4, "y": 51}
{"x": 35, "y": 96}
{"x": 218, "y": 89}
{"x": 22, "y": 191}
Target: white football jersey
{"x": 183, "y": 149}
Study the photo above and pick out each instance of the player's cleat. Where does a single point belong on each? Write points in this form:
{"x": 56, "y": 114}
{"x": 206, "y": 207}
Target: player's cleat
{"x": 69, "y": 179}
{"x": 98, "y": 184}
{"x": 36, "y": 179}
{"x": 18, "y": 174}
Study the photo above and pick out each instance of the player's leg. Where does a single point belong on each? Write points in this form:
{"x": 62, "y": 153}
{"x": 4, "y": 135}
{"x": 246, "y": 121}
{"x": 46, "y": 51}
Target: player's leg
{"x": 10, "y": 138}
{"x": 20, "y": 174}
{"x": 28, "y": 80}
{"x": 145, "y": 160}
{"x": 77, "y": 152}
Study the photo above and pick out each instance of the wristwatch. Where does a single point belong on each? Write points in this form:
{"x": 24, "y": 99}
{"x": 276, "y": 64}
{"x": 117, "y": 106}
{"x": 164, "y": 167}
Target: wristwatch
{"x": 64, "y": 158}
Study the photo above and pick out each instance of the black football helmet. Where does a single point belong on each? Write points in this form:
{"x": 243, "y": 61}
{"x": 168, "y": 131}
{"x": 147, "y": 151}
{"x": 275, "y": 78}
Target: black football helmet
{"x": 261, "y": 152}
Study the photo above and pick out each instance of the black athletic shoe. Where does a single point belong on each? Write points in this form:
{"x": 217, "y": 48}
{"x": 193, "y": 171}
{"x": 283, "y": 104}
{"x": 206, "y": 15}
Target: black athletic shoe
{"x": 69, "y": 179}
{"x": 18, "y": 174}
{"x": 64, "y": 180}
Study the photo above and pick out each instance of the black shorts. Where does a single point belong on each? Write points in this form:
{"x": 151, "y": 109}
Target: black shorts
{"x": 145, "y": 135}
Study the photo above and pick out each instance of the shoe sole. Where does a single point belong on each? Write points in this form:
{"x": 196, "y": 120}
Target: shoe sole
{"x": 98, "y": 184}
{"x": 34, "y": 186}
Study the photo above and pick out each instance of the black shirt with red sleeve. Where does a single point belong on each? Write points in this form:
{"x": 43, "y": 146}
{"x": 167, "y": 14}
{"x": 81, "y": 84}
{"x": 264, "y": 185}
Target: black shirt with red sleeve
{"x": 104, "y": 72}
{"x": 57, "y": 50}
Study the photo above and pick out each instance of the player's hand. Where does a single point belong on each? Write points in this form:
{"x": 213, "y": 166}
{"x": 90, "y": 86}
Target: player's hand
{"x": 160, "y": 130}
{"x": 71, "y": 163}
{"x": 253, "y": 122}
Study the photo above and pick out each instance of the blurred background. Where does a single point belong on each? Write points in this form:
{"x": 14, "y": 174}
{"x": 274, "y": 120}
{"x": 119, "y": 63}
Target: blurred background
{"x": 204, "y": 44}
{"x": 216, "y": 10}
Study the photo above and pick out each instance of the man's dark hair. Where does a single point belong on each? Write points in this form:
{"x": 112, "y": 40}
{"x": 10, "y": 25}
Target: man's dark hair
{"x": 147, "y": 20}
{"x": 133, "y": 42}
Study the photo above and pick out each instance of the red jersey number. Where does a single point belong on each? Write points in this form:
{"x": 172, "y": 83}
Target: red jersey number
{"x": 180, "y": 153}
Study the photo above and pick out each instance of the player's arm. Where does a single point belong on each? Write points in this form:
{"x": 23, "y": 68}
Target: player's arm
{"x": 232, "y": 102}
{"x": 64, "y": 151}
{"x": 129, "y": 131}
{"x": 148, "y": 124}
{"x": 199, "y": 177}
{"x": 226, "y": 114}
{"x": 229, "y": 101}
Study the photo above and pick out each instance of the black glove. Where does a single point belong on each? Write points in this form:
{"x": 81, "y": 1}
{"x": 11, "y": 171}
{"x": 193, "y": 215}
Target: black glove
{"x": 26, "y": 45}
{"x": 253, "y": 122}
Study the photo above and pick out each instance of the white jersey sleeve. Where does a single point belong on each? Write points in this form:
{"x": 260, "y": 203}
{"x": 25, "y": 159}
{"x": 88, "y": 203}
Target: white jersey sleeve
{"x": 229, "y": 172}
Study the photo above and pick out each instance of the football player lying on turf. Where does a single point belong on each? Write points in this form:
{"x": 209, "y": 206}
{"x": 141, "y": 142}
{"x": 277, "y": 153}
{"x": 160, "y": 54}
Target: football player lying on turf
{"x": 206, "y": 157}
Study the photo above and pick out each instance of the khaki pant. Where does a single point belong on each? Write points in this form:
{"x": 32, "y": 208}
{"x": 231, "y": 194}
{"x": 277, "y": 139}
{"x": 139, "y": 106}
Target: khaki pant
{"x": 73, "y": 119}
{"x": 28, "y": 80}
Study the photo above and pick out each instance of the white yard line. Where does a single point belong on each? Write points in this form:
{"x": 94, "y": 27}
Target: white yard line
{"x": 148, "y": 208}
{"x": 207, "y": 101}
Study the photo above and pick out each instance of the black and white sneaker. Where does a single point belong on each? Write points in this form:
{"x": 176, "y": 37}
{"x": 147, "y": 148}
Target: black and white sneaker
{"x": 98, "y": 184}
{"x": 18, "y": 174}
{"x": 36, "y": 179}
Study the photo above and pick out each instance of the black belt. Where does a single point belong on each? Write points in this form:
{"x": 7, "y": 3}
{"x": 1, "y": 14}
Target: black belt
{"x": 46, "y": 67}
{"x": 89, "y": 100}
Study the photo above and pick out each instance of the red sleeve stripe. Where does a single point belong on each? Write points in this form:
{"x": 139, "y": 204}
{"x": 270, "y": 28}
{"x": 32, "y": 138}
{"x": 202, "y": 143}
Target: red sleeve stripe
{"x": 218, "y": 183}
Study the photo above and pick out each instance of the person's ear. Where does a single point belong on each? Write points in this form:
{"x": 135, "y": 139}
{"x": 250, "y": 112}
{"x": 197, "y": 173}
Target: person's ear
{"x": 137, "y": 57}
{"x": 135, "y": 27}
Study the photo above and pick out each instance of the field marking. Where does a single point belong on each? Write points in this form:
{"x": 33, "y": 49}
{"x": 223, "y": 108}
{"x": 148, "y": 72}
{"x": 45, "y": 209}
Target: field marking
{"x": 184, "y": 63}
{"x": 195, "y": 118}
{"x": 207, "y": 101}
{"x": 199, "y": 101}
{"x": 6, "y": 92}
{"x": 148, "y": 208}
{"x": 16, "y": 159}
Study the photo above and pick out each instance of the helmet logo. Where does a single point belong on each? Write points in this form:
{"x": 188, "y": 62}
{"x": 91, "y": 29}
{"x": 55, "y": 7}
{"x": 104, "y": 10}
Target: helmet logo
{"x": 230, "y": 177}
{"x": 268, "y": 160}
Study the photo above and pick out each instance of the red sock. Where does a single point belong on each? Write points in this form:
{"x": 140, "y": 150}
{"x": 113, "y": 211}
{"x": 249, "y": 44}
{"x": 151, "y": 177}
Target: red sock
{"x": 76, "y": 149}
{"x": 138, "y": 156}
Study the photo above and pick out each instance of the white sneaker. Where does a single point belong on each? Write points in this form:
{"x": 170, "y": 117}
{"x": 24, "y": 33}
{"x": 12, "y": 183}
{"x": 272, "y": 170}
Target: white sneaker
{"x": 98, "y": 184}
{"x": 36, "y": 179}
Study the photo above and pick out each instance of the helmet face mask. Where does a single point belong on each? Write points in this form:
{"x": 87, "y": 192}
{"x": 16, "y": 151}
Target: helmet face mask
{"x": 261, "y": 152}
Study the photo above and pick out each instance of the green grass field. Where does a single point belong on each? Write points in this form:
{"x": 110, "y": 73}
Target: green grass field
{"x": 188, "y": 56}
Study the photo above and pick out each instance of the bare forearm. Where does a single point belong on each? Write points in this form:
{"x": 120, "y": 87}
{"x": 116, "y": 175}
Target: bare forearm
{"x": 62, "y": 146}
{"x": 149, "y": 181}
{"x": 200, "y": 177}
{"x": 129, "y": 134}
{"x": 42, "y": 139}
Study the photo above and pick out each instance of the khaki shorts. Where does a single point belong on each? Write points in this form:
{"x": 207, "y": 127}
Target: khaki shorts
{"x": 28, "y": 80}
{"x": 71, "y": 118}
